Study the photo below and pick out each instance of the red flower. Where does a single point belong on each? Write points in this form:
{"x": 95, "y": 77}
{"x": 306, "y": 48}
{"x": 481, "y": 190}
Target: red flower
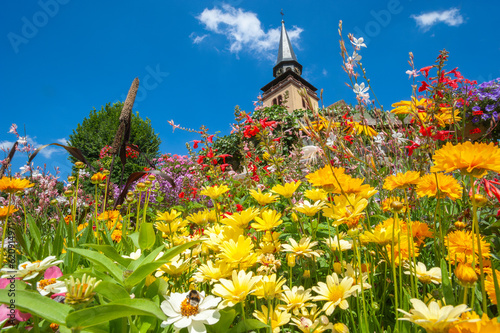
{"x": 210, "y": 138}
{"x": 210, "y": 153}
{"x": 348, "y": 138}
{"x": 200, "y": 159}
{"x": 423, "y": 87}
{"x": 195, "y": 143}
{"x": 425, "y": 70}
{"x": 223, "y": 167}
{"x": 264, "y": 123}
{"x": 181, "y": 195}
{"x": 223, "y": 156}
{"x": 412, "y": 148}
{"x": 239, "y": 208}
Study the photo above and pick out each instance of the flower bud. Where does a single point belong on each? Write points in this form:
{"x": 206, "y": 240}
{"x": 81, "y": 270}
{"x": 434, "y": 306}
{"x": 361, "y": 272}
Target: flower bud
{"x": 79, "y": 165}
{"x": 337, "y": 267}
{"x": 151, "y": 177}
{"x": 307, "y": 274}
{"x": 479, "y": 200}
{"x": 397, "y": 206}
{"x": 71, "y": 179}
{"x": 460, "y": 225}
{"x": 68, "y": 193}
{"x": 105, "y": 172}
{"x": 466, "y": 275}
{"x": 290, "y": 259}
{"x": 53, "y": 202}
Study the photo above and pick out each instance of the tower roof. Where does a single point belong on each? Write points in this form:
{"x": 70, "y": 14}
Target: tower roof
{"x": 286, "y": 57}
{"x": 285, "y": 52}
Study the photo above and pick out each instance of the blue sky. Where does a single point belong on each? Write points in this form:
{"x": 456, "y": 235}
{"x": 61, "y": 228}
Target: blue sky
{"x": 197, "y": 60}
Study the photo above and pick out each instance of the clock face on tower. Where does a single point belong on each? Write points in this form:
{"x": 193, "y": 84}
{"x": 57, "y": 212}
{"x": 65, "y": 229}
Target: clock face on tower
{"x": 279, "y": 72}
{"x": 296, "y": 70}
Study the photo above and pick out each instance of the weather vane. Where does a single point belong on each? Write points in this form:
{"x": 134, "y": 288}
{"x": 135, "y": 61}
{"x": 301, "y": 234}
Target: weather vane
{"x": 282, "y": 14}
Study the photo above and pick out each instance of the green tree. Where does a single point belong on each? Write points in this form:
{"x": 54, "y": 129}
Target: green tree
{"x": 98, "y": 131}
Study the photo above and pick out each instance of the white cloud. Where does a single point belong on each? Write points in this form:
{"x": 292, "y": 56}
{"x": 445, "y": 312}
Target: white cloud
{"x": 324, "y": 72}
{"x": 197, "y": 39}
{"x": 62, "y": 141}
{"x": 451, "y": 17}
{"x": 243, "y": 30}
{"x": 4, "y": 145}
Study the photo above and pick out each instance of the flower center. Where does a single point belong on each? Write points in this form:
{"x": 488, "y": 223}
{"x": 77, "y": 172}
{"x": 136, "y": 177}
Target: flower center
{"x": 187, "y": 309}
{"x": 336, "y": 293}
{"x": 46, "y": 282}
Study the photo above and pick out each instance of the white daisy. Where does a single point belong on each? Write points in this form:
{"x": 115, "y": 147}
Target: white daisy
{"x": 182, "y": 313}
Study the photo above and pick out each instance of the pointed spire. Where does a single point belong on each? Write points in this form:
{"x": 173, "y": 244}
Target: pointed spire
{"x": 285, "y": 52}
{"x": 286, "y": 57}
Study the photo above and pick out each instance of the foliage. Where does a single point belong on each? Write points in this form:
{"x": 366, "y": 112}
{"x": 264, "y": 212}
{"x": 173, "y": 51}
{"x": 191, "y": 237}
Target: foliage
{"x": 98, "y": 130}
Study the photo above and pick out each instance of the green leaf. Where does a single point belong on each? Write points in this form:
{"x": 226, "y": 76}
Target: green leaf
{"x": 110, "y": 252}
{"x": 102, "y": 261}
{"x": 446, "y": 284}
{"x": 34, "y": 231}
{"x": 118, "y": 309}
{"x": 147, "y": 236}
{"x": 34, "y": 303}
{"x": 226, "y": 319}
{"x": 170, "y": 253}
{"x": 142, "y": 271}
{"x": 248, "y": 325}
{"x": 111, "y": 291}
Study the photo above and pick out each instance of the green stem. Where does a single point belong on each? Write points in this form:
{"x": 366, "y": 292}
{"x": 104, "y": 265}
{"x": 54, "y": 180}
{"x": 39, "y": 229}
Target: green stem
{"x": 5, "y": 227}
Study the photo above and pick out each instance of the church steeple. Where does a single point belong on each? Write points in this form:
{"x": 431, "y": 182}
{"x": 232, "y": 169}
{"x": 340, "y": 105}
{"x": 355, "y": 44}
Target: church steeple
{"x": 288, "y": 84}
{"x": 286, "y": 57}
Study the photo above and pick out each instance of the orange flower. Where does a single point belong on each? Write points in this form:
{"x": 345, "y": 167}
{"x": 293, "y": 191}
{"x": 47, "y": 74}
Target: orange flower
{"x": 97, "y": 178}
{"x": 12, "y": 185}
{"x": 401, "y": 180}
{"x": 471, "y": 159}
{"x": 7, "y": 211}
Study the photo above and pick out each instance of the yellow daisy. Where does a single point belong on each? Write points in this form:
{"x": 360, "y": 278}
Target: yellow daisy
{"x": 214, "y": 191}
{"x": 241, "y": 219}
{"x": 302, "y": 249}
{"x": 235, "y": 290}
{"x": 263, "y": 199}
{"x": 268, "y": 287}
{"x": 269, "y": 219}
{"x": 433, "y": 318}
{"x": 348, "y": 210}
{"x": 335, "y": 292}
{"x": 286, "y": 190}
{"x": 296, "y": 298}
{"x": 316, "y": 194}
{"x": 238, "y": 253}
{"x": 278, "y": 317}
{"x": 309, "y": 209}
{"x": 167, "y": 216}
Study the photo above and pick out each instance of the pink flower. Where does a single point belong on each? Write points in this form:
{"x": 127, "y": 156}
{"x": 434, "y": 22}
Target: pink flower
{"x": 10, "y": 312}
{"x": 412, "y": 73}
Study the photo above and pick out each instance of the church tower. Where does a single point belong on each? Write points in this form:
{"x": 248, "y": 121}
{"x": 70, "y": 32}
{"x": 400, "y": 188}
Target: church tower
{"x": 288, "y": 79}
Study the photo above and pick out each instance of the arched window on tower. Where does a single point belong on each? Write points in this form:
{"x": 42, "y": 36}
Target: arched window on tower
{"x": 280, "y": 100}
{"x": 274, "y": 101}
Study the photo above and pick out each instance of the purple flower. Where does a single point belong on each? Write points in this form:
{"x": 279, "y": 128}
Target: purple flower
{"x": 489, "y": 107}
{"x": 476, "y": 108}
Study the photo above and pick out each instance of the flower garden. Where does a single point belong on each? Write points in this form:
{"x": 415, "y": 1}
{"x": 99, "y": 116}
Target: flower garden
{"x": 328, "y": 225}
